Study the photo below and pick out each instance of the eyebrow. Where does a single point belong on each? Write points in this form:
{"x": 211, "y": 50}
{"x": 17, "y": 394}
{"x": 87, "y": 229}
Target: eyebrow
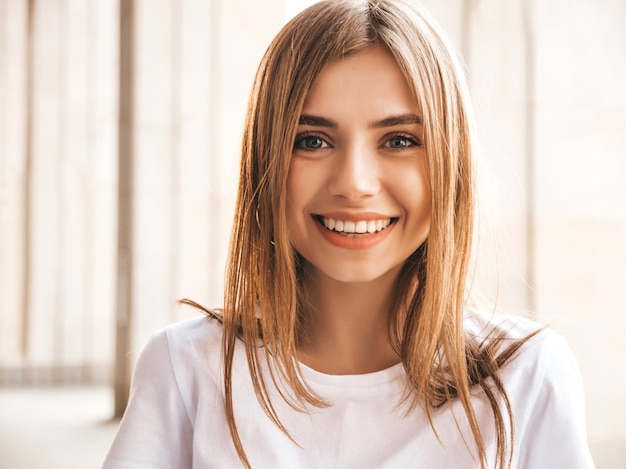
{"x": 317, "y": 121}
{"x": 401, "y": 119}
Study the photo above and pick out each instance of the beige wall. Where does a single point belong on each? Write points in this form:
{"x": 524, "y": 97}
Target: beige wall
{"x": 556, "y": 149}
{"x": 70, "y": 135}
{"x": 194, "y": 66}
{"x": 547, "y": 77}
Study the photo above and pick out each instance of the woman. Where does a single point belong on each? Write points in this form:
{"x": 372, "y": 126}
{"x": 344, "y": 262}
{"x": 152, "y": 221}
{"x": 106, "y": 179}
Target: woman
{"x": 346, "y": 339}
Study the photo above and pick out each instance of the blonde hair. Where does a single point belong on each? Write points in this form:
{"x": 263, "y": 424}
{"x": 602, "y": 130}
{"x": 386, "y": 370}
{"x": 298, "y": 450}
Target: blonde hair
{"x": 264, "y": 296}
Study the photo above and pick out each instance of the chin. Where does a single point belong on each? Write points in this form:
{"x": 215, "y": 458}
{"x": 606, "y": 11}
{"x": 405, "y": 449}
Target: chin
{"x": 359, "y": 275}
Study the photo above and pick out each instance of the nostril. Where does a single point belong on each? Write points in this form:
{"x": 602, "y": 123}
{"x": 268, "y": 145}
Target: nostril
{"x": 354, "y": 181}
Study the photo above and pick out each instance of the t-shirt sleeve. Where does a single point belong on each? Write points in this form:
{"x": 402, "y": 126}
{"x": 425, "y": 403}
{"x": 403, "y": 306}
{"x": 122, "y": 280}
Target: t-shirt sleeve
{"x": 156, "y": 431}
{"x": 555, "y": 432}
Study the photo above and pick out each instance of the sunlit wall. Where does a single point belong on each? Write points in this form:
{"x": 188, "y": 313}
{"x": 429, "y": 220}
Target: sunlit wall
{"x": 547, "y": 77}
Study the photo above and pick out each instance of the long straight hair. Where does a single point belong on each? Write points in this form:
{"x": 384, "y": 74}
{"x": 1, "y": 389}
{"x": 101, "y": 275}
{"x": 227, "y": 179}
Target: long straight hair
{"x": 264, "y": 296}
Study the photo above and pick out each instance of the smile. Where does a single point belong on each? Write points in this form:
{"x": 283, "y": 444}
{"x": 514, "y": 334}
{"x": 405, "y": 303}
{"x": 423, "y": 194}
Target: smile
{"x": 355, "y": 228}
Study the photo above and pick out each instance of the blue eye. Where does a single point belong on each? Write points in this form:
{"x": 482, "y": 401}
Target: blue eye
{"x": 400, "y": 142}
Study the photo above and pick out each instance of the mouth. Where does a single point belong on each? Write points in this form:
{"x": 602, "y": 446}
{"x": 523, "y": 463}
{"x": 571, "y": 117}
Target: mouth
{"x": 351, "y": 228}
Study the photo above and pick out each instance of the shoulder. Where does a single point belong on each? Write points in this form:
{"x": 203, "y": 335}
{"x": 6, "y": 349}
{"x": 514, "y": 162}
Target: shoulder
{"x": 173, "y": 370}
{"x": 480, "y": 323}
{"x": 192, "y": 340}
{"x": 543, "y": 370}
{"x": 545, "y": 390}
{"x": 196, "y": 332}
{"x": 200, "y": 333}
{"x": 181, "y": 352}
{"x": 544, "y": 352}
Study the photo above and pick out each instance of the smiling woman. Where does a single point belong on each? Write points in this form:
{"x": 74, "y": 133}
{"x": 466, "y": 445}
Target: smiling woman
{"x": 358, "y": 164}
{"x": 346, "y": 338}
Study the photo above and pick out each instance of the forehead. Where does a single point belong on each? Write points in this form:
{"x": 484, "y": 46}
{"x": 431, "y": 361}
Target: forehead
{"x": 367, "y": 81}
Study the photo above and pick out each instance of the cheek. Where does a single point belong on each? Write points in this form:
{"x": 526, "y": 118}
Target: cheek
{"x": 424, "y": 197}
{"x": 304, "y": 181}
{"x": 412, "y": 186}
{"x": 413, "y": 192}
{"x": 424, "y": 193}
{"x": 297, "y": 195}
{"x": 424, "y": 206}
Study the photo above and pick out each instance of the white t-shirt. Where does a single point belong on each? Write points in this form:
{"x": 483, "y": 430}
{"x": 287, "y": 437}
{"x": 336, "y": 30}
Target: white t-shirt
{"x": 175, "y": 415}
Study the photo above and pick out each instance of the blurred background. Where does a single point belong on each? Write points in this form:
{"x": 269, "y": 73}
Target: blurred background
{"x": 120, "y": 128}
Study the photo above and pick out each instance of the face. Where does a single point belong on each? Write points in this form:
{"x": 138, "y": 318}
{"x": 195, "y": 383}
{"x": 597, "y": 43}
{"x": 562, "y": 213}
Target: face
{"x": 358, "y": 198}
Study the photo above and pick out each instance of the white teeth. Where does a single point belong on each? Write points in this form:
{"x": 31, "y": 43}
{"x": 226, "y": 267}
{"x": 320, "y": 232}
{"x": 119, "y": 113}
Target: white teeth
{"x": 359, "y": 227}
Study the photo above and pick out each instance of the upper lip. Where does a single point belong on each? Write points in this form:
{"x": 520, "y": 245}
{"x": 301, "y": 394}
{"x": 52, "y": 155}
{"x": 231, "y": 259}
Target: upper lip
{"x": 354, "y": 216}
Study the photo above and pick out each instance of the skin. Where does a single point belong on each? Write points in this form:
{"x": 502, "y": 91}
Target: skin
{"x": 358, "y": 157}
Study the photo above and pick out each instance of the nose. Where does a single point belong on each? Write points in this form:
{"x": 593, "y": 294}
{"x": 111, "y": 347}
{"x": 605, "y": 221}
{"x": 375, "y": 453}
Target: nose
{"x": 356, "y": 174}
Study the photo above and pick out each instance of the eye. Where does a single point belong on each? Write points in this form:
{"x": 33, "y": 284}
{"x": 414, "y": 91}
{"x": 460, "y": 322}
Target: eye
{"x": 400, "y": 142}
{"x": 309, "y": 142}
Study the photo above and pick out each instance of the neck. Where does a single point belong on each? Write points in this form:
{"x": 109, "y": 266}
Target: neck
{"x": 346, "y": 330}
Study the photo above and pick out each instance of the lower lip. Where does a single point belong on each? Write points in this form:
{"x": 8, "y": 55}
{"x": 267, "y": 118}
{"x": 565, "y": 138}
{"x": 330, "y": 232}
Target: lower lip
{"x": 364, "y": 241}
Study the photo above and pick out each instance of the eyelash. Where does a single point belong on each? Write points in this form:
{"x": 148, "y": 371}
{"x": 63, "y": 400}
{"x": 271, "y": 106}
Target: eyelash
{"x": 301, "y": 138}
{"x": 411, "y": 142}
{"x": 406, "y": 138}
